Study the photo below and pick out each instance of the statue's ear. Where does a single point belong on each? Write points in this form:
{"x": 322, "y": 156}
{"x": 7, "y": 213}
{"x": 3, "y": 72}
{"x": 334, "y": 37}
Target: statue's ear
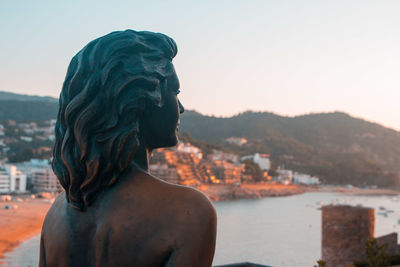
{"x": 154, "y": 91}
{"x": 148, "y": 87}
{"x": 138, "y": 93}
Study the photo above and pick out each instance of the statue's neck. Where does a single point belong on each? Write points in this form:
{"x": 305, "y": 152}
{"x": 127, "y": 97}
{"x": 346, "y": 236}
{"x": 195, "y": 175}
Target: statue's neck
{"x": 141, "y": 158}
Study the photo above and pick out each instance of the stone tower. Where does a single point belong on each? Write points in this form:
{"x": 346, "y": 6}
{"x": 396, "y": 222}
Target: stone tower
{"x": 345, "y": 230}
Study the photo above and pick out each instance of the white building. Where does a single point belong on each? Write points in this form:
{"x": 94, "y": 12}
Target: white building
{"x": 17, "y": 179}
{"x": 41, "y": 174}
{"x": 285, "y": 176}
{"x": 164, "y": 172}
{"x": 239, "y": 141}
{"x": 44, "y": 180}
{"x": 301, "y": 178}
{"x": 262, "y": 160}
{"x": 28, "y": 131}
{"x": 221, "y": 155}
{"x": 12, "y": 179}
{"x": 4, "y": 181}
{"x": 188, "y": 148}
{"x": 26, "y": 138}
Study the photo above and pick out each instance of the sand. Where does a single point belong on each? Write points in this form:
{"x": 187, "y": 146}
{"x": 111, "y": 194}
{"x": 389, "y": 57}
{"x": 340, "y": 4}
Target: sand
{"x": 19, "y": 224}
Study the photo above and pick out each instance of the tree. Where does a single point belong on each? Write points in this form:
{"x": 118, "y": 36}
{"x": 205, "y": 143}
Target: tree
{"x": 254, "y": 170}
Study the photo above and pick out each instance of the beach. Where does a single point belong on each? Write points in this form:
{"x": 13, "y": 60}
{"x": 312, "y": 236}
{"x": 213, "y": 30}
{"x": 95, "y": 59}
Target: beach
{"x": 25, "y": 221}
{"x": 22, "y": 220}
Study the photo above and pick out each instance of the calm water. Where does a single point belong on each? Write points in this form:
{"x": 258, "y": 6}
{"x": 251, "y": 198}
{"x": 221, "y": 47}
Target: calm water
{"x": 283, "y": 231}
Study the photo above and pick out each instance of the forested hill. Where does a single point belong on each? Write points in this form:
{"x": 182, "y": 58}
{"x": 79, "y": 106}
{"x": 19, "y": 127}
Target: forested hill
{"x": 334, "y": 146}
{"x": 27, "y": 110}
{"x": 12, "y": 96}
{"x": 26, "y": 107}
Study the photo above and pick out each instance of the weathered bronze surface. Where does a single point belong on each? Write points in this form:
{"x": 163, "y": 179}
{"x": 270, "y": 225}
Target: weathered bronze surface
{"x": 118, "y": 102}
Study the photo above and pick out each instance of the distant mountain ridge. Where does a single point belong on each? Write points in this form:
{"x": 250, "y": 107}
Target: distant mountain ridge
{"x": 334, "y": 146}
{"x": 27, "y": 107}
{"x": 12, "y": 96}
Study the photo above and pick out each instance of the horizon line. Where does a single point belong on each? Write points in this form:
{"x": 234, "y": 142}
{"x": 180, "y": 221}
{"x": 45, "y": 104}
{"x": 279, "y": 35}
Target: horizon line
{"x": 249, "y": 110}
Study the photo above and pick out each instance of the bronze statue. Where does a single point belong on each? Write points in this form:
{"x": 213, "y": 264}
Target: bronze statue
{"x": 118, "y": 102}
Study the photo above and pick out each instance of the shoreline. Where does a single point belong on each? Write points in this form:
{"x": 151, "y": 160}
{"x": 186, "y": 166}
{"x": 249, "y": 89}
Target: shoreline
{"x": 24, "y": 222}
{"x": 218, "y": 193}
{"x": 21, "y": 221}
{"x": 359, "y": 191}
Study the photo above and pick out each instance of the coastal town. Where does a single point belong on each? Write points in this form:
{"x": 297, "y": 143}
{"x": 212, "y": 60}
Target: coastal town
{"x": 25, "y": 163}
{"x": 28, "y": 184}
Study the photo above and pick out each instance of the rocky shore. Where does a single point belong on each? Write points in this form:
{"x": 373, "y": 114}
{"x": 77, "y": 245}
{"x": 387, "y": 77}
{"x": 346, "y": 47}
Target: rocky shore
{"x": 251, "y": 191}
{"x": 217, "y": 192}
{"x": 359, "y": 191}
{"x": 23, "y": 219}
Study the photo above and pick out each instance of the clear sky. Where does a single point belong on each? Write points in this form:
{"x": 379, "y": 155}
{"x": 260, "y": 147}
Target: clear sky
{"x": 287, "y": 57}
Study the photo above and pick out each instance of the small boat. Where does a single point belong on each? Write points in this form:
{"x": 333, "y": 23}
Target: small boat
{"x": 384, "y": 214}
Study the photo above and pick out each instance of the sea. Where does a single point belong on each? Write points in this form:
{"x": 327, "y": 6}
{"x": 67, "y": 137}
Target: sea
{"x": 278, "y": 231}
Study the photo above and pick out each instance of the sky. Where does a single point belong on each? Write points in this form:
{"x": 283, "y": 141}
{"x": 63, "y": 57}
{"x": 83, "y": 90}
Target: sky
{"x": 287, "y": 57}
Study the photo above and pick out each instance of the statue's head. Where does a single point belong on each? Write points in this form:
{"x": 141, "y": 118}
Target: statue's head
{"x": 119, "y": 93}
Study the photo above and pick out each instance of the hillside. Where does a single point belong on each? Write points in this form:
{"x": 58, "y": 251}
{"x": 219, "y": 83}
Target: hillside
{"x": 26, "y": 107}
{"x": 27, "y": 110}
{"x": 12, "y": 96}
{"x": 335, "y": 146}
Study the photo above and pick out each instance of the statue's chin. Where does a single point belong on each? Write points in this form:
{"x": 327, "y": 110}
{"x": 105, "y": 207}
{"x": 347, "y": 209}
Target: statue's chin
{"x": 174, "y": 139}
{"x": 170, "y": 142}
{"x": 173, "y": 142}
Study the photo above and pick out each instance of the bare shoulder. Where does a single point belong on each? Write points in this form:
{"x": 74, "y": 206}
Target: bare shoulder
{"x": 55, "y": 212}
{"x": 185, "y": 203}
{"x": 197, "y": 201}
{"x": 194, "y": 209}
{"x": 194, "y": 226}
{"x": 189, "y": 200}
{"x": 53, "y": 226}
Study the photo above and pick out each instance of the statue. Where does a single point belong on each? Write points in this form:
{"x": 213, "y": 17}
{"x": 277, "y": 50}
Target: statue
{"x": 118, "y": 102}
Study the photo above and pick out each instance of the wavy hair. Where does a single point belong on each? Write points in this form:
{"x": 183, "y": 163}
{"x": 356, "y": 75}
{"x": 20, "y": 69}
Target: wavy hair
{"x": 106, "y": 89}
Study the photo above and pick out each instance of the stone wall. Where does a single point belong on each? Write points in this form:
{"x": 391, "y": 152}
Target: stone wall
{"x": 345, "y": 230}
{"x": 390, "y": 241}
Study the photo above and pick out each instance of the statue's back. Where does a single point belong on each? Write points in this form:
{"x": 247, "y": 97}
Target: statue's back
{"x": 142, "y": 221}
